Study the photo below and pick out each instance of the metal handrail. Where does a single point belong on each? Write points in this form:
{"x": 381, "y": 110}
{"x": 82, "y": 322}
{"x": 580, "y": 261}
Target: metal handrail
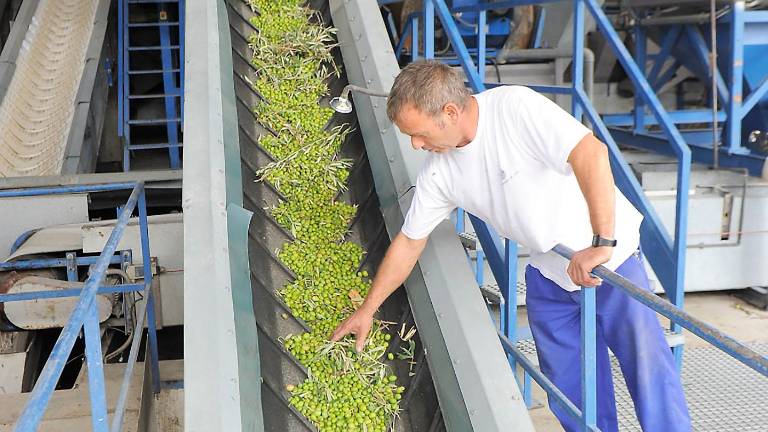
{"x": 84, "y": 315}
{"x": 696, "y": 326}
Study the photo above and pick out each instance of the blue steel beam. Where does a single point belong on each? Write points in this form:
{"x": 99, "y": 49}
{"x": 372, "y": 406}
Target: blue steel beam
{"x": 754, "y": 97}
{"x": 31, "y": 264}
{"x": 64, "y": 190}
{"x": 667, "y": 75}
{"x": 122, "y": 398}
{"x": 46, "y": 382}
{"x": 94, "y": 360}
{"x": 74, "y": 292}
{"x": 720, "y": 340}
{"x": 701, "y": 50}
{"x": 679, "y": 117}
{"x": 147, "y": 262}
{"x": 485, "y": 6}
{"x": 449, "y": 25}
{"x": 666, "y": 48}
{"x": 401, "y": 43}
{"x": 702, "y": 154}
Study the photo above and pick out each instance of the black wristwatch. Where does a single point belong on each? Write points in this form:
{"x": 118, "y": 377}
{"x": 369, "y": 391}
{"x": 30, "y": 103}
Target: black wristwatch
{"x": 598, "y": 241}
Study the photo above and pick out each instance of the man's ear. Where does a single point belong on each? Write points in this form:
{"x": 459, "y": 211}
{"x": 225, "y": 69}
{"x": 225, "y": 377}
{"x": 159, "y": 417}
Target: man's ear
{"x": 452, "y": 111}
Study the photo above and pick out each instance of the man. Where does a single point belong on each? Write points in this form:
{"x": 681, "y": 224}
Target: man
{"x": 519, "y": 162}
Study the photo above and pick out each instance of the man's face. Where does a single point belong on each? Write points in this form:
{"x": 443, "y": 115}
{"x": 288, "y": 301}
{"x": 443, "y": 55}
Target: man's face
{"x": 436, "y": 134}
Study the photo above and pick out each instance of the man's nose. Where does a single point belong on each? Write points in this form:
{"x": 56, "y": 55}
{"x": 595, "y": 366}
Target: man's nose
{"x": 417, "y": 143}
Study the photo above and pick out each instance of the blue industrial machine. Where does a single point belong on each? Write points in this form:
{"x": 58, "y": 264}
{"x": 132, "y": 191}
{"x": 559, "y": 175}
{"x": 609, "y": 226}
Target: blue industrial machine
{"x": 722, "y": 128}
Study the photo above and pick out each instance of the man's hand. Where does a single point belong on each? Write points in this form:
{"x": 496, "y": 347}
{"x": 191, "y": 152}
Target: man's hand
{"x": 584, "y": 261}
{"x": 359, "y": 324}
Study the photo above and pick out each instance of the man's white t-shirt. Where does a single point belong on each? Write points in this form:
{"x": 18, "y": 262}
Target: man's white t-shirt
{"x": 515, "y": 176}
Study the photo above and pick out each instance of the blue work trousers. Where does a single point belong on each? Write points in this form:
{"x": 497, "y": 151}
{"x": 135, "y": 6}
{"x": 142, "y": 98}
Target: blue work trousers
{"x": 631, "y": 331}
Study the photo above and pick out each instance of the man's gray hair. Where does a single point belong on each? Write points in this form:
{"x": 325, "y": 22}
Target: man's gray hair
{"x": 428, "y": 86}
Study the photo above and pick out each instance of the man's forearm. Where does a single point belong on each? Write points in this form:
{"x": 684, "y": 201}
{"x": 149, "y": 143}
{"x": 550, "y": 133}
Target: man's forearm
{"x": 592, "y": 168}
{"x": 397, "y": 264}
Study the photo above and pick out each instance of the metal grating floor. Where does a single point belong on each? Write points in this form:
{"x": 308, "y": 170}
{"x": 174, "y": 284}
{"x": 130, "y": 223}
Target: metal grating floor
{"x": 723, "y": 395}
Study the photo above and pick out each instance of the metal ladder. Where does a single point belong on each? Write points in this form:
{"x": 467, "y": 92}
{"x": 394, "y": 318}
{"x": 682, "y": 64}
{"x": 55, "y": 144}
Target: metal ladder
{"x": 133, "y": 31}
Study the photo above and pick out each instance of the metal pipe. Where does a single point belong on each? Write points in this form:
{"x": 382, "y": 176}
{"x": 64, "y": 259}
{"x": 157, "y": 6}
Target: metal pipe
{"x": 552, "y": 54}
{"x": 32, "y": 264}
{"x": 343, "y": 105}
{"x": 701, "y": 329}
{"x": 117, "y": 417}
{"x": 74, "y": 292}
{"x": 62, "y": 190}
{"x": 675, "y": 20}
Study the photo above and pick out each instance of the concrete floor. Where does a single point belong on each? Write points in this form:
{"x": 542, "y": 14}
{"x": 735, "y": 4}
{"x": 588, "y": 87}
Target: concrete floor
{"x": 722, "y": 310}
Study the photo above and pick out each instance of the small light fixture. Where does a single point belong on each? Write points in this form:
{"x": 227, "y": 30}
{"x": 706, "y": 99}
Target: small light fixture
{"x": 342, "y": 104}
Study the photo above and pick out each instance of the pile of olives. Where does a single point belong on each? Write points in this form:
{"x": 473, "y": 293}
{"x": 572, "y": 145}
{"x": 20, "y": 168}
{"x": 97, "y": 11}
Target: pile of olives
{"x": 345, "y": 390}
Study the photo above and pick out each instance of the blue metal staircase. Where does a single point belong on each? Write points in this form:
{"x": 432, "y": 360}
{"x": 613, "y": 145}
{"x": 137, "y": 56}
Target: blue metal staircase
{"x": 151, "y": 47}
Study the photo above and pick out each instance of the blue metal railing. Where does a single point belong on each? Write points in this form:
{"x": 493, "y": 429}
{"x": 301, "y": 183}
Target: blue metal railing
{"x": 666, "y": 255}
{"x": 84, "y": 315}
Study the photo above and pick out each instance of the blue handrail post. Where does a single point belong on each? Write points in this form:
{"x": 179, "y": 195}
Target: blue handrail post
{"x": 736, "y": 78}
{"x": 460, "y": 220}
{"x": 481, "y": 23}
{"x": 508, "y": 288}
{"x": 429, "y": 30}
{"x": 578, "y": 58}
{"x": 414, "y": 39}
{"x": 588, "y": 359}
{"x": 640, "y": 54}
{"x": 147, "y": 264}
{"x": 94, "y": 359}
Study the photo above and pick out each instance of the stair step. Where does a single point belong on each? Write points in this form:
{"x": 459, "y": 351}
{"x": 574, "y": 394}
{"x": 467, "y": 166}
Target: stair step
{"x": 149, "y": 122}
{"x": 154, "y": 24}
{"x": 153, "y": 146}
{"x": 151, "y": 1}
{"x": 151, "y": 71}
{"x": 152, "y": 47}
{"x": 154, "y": 96}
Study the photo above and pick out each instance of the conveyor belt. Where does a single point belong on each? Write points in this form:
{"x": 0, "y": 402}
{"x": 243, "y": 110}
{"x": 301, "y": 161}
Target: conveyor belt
{"x": 38, "y": 108}
{"x": 274, "y": 319}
